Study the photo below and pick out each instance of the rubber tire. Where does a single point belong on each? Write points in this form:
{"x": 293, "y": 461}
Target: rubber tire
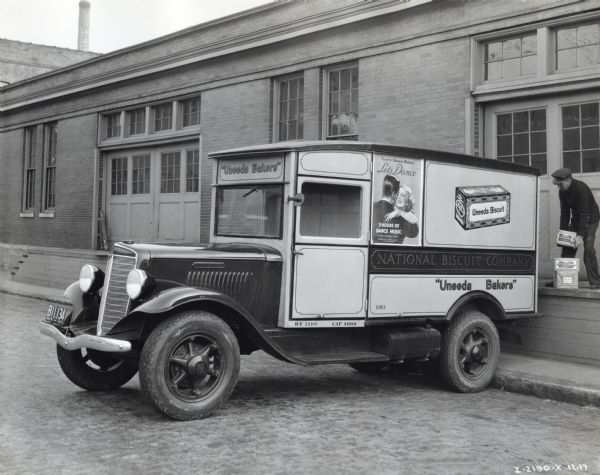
{"x": 452, "y": 337}
{"x": 154, "y": 357}
{"x": 368, "y": 367}
{"x": 75, "y": 368}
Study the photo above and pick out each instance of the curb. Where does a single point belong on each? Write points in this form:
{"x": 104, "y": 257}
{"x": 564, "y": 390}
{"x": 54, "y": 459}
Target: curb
{"x": 49, "y": 298}
{"x": 522, "y": 383}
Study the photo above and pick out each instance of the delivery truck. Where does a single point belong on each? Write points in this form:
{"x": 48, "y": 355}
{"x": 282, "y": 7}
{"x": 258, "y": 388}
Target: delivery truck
{"x": 319, "y": 252}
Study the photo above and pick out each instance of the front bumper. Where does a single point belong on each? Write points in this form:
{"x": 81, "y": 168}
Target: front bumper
{"x": 91, "y": 342}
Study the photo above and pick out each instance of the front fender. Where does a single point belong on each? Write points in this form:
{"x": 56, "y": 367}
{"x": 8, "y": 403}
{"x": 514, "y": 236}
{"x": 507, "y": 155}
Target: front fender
{"x": 173, "y": 298}
{"x": 170, "y": 299}
{"x": 85, "y": 306}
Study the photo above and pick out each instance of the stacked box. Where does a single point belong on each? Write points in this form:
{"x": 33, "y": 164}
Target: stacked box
{"x": 481, "y": 206}
{"x": 566, "y": 273}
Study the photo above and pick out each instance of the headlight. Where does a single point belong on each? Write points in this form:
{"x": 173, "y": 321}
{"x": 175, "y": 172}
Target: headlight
{"x": 90, "y": 278}
{"x": 135, "y": 283}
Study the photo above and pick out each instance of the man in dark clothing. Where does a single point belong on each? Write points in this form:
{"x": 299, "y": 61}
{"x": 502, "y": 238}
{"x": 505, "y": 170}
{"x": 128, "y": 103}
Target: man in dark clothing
{"x": 579, "y": 212}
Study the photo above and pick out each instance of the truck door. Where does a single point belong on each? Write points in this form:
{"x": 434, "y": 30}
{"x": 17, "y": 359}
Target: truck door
{"x": 329, "y": 284}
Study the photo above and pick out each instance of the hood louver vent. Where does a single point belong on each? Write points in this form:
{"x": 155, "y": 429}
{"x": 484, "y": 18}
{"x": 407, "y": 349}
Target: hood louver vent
{"x": 237, "y": 285}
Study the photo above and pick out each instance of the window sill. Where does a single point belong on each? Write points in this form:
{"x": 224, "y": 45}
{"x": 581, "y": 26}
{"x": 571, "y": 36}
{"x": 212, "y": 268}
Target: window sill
{"x": 559, "y": 81}
{"x": 26, "y": 215}
{"x": 155, "y": 138}
{"x": 46, "y": 214}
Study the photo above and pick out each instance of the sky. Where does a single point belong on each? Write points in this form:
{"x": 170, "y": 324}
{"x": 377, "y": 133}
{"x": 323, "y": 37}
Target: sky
{"x": 114, "y": 24}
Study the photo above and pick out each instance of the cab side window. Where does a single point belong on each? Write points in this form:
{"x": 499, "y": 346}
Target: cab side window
{"x": 330, "y": 210}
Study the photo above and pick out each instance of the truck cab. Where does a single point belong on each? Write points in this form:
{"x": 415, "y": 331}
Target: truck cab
{"x": 319, "y": 252}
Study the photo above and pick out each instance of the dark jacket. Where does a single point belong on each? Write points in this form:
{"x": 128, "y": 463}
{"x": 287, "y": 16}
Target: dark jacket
{"x": 578, "y": 208}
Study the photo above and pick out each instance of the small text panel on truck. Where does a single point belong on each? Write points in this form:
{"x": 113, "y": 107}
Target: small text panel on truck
{"x": 320, "y": 252}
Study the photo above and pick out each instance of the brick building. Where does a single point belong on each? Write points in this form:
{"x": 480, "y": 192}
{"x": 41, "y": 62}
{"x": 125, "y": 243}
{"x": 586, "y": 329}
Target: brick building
{"x": 20, "y": 61}
{"x": 124, "y": 137}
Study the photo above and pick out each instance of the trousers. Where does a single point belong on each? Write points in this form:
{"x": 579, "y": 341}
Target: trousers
{"x": 589, "y": 255}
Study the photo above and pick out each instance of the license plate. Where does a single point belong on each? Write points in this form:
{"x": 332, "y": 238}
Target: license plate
{"x": 56, "y": 314}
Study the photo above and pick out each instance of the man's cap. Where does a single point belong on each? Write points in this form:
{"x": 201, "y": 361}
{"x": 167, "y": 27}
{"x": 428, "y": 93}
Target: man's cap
{"x": 562, "y": 173}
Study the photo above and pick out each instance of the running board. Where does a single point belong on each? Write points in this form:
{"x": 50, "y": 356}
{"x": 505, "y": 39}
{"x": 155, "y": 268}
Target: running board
{"x": 342, "y": 357}
{"x": 365, "y": 345}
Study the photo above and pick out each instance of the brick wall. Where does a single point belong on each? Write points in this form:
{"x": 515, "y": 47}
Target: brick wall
{"x": 71, "y": 226}
{"x": 416, "y": 97}
{"x": 231, "y": 117}
{"x": 19, "y": 61}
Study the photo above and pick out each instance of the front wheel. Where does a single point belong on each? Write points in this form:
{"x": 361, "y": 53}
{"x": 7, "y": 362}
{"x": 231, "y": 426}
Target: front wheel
{"x": 95, "y": 370}
{"x": 190, "y": 364}
{"x": 470, "y": 352}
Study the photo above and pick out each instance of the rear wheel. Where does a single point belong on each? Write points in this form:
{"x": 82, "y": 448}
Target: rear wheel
{"x": 190, "y": 364}
{"x": 95, "y": 370}
{"x": 470, "y": 352}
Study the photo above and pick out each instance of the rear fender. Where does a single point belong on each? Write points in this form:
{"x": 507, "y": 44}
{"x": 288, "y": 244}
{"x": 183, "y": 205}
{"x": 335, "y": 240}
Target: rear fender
{"x": 479, "y": 300}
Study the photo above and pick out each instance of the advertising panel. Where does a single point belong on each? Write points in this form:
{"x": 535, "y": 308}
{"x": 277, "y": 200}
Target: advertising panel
{"x": 397, "y": 201}
{"x": 468, "y": 207}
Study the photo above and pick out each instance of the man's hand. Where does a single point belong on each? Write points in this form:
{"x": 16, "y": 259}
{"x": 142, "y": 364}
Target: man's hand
{"x": 579, "y": 241}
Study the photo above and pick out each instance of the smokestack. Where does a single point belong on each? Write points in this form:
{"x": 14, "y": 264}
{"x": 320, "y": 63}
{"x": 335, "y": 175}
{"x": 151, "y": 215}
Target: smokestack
{"x": 83, "y": 35}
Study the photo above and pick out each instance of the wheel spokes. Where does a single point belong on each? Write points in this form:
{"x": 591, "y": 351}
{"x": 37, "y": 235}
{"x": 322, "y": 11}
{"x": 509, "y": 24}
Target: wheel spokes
{"x": 473, "y": 353}
{"x": 194, "y": 367}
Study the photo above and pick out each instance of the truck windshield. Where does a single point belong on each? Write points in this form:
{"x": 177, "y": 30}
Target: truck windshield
{"x": 249, "y": 211}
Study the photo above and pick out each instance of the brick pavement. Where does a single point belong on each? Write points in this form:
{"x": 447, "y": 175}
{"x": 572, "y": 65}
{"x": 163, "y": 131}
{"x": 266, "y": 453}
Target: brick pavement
{"x": 280, "y": 419}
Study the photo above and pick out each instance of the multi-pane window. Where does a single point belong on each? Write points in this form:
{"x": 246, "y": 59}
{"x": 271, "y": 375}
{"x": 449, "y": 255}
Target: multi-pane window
{"x": 30, "y": 169}
{"x": 342, "y": 100}
{"x": 581, "y": 137}
{"x": 511, "y": 58}
{"x": 190, "y": 111}
{"x": 113, "y": 125}
{"x": 521, "y": 138}
{"x": 291, "y": 109}
{"x": 170, "y": 172}
{"x": 118, "y": 182}
{"x": 192, "y": 171}
{"x": 137, "y": 121}
{"x": 163, "y": 117}
{"x": 140, "y": 175}
{"x": 577, "y": 46}
{"x": 50, "y": 139}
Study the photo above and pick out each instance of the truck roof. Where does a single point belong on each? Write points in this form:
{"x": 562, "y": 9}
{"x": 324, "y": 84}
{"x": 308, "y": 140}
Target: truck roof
{"x": 383, "y": 148}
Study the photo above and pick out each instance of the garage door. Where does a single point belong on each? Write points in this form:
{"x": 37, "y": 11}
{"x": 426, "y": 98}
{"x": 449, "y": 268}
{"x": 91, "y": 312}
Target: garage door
{"x": 153, "y": 194}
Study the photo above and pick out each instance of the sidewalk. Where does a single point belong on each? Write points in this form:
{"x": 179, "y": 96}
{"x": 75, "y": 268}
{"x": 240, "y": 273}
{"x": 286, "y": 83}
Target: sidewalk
{"x": 544, "y": 378}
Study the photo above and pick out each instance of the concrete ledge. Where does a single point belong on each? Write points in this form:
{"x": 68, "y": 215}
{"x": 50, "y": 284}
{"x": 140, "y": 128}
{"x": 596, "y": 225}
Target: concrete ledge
{"x": 522, "y": 383}
{"x": 549, "y": 379}
{"x": 582, "y": 292}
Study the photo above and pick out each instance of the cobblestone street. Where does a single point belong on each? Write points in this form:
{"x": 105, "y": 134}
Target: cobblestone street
{"x": 281, "y": 418}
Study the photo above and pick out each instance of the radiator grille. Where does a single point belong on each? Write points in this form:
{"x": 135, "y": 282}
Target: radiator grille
{"x": 115, "y": 301}
{"x": 235, "y": 284}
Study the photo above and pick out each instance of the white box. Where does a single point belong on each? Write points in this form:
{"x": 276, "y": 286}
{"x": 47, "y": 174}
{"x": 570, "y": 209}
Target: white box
{"x": 566, "y": 273}
{"x": 566, "y": 239}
